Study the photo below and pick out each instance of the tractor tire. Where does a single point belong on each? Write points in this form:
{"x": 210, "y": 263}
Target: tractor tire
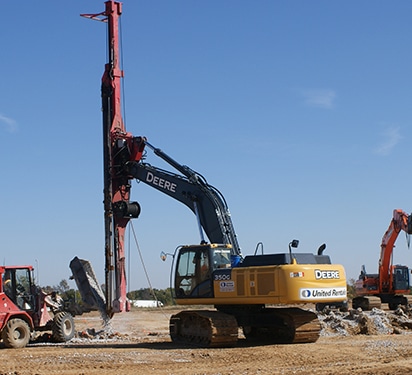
{"x": 16, "y": 334}
{"x": 63, "y": 327}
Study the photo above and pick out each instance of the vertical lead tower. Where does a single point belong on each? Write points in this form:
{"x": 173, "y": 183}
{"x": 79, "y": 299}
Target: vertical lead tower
{"x": 119, "y": 147}
{"x": 115, "y": 189}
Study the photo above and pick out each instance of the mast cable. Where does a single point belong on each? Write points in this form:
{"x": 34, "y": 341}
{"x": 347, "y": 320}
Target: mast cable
{"x": 143, "y": 264}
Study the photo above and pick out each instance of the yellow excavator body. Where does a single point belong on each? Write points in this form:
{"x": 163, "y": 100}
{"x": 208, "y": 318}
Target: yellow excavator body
{"x": 277, "y": 284}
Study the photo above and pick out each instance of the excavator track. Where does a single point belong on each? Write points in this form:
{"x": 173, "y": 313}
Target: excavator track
{"x": 285, "y": 326}
{"x": 207, "y": 328}
{"x": 408, "y": 300}
{"x": 204, "y": 328}
{"x": 366, "y": 303}
{"x": 403, "y": 300}
{"x": 302, "y": 326}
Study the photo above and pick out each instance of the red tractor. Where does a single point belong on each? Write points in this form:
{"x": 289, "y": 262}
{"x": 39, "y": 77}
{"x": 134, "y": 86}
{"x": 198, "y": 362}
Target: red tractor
{"x": 26, "y": 309}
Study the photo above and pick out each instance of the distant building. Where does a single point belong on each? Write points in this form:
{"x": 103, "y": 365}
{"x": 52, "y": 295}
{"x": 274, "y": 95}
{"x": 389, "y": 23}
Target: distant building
{"x": 146, "y": 303}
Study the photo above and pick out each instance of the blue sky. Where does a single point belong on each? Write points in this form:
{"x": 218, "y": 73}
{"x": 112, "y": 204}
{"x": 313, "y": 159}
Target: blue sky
{"x": 298, "y": 112}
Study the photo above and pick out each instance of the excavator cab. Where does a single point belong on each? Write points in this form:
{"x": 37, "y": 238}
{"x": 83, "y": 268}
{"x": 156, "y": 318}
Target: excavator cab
{"x": 400, "y": 276}
{"x": 196, "y": 267}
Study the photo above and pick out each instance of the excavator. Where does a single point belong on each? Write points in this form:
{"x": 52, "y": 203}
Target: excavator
{"x": 391, "y": 284}
{"x": 258, "y": 293}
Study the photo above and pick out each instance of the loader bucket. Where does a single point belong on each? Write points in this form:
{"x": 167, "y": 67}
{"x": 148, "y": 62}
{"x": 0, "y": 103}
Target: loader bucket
{"x": 86, "y": 281}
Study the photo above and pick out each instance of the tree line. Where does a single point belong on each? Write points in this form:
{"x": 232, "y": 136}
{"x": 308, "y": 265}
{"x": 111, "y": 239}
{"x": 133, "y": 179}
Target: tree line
{"x": 70, "y": 294}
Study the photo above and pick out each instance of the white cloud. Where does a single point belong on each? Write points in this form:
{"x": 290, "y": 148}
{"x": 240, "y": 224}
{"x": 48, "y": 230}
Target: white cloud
{"x": 8, "y": 124}
{"x": 392, "y": 137}
{"x": 321, "y": 98}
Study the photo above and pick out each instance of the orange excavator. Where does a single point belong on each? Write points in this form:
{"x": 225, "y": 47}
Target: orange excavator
{"x": 391, "y": 284}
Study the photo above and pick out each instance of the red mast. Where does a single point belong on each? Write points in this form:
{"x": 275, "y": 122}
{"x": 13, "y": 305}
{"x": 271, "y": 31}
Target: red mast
{"x": 119, "y": 147}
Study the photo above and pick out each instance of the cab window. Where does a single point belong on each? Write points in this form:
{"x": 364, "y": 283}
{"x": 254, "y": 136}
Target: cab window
{"x": 221, "y": 258}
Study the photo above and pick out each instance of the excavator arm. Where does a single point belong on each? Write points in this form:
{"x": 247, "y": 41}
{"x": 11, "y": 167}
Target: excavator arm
{"x": 191, "y": 189}
{"x": 401, "y": 221}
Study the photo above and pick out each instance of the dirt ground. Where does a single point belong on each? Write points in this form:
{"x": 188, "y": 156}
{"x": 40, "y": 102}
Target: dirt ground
{"x": 141, "y": 345}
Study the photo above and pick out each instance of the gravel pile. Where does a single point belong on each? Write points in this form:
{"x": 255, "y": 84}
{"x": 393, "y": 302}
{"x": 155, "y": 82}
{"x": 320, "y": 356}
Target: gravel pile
{"x": 358, "y": 322}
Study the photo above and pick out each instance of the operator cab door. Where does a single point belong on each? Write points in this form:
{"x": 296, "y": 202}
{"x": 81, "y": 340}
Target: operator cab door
{"x": 400, "y": 278}
{"x": 17, "y": 286}
{"x": 193, "y": 273}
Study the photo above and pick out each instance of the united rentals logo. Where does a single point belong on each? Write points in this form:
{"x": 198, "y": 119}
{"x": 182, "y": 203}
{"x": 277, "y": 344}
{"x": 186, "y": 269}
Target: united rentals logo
{"x": 326, "y": 274}
{"x": 323, "y": 293}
